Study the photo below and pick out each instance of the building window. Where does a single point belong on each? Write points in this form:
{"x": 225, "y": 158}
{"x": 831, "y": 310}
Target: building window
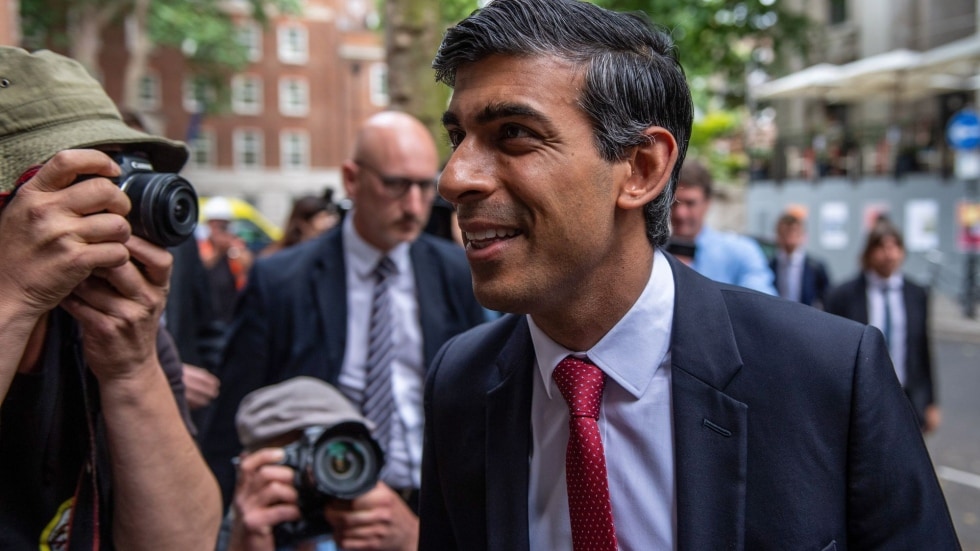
{"x": 838, "y": 11}
{"x": 196, "y": 95}
{"x": 294, "y": 97}
{"x": 250, "y": 36}
{"x": 294, "y": 148}
{"x": 246, "y": 94}
{"x": 248, "y": 149}
{"x": 378, "y": 84}
{"x": 149, "y": 92}
{"x": 202, "y": 149}
{"x": 293, "y": 44}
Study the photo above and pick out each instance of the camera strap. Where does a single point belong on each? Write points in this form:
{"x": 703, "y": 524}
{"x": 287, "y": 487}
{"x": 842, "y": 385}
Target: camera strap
{"x": 85, "y": 530}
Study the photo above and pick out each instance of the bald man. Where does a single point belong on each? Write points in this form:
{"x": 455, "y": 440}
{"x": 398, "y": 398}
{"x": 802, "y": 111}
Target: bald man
{"x": 307, "y": 311}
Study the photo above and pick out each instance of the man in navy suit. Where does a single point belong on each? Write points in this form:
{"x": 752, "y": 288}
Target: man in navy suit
{"x": 904, "y": 322}
{"x": 798, "y": 275}
{"x": 727, "y": 419}
{"x": 306, "y": 311}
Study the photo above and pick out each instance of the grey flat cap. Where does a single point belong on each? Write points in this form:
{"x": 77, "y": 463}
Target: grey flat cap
{"x": 294, "y": 404}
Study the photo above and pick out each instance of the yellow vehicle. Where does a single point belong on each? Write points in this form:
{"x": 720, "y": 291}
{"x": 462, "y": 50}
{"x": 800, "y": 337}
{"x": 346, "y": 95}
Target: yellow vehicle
{"x": 246, "y": 221}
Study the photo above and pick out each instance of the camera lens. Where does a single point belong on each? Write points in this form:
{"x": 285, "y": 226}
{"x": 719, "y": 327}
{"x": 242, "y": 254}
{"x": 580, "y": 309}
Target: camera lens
{"x": 182, "y": 210}
{"x": 345, "y": 465}
{"x": 164, "y": 207}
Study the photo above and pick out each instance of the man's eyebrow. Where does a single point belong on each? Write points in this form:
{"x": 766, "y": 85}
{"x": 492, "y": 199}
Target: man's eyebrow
{"x": 503, "y": 110}
{"x": 495, "y": 111}
{"x": 450, "y": 118}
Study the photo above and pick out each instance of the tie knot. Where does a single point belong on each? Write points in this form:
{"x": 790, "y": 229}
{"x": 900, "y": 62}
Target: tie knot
{"x": 385, "y": 268}
{"x": 581, "y": 384}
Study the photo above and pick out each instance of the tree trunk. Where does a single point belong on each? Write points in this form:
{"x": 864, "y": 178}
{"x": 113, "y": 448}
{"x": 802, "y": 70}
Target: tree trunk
{"x": 413, "y": 32}
{"x": 86, "y": 21}
{"x": 140, "y": 46}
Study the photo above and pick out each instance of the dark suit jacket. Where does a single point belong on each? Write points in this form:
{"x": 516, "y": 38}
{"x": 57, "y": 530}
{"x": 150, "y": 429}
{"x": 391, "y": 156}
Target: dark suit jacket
{"x": 292, "y": 320}
{"x": 850, "y": 300}
{"x": 815, "y": 282}
{"x": 791, "y": 432}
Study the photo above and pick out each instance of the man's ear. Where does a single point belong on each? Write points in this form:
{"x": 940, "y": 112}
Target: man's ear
{"x": 651, "y": 164}
{"x": 348, "y": 171}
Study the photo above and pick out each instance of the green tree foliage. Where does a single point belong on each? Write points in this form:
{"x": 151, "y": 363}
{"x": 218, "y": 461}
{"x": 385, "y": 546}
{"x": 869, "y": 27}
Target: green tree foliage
{"x": 725, "y": 39}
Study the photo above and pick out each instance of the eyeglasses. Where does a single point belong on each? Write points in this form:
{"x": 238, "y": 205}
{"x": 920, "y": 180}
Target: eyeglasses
{"x": 397, "y": 186}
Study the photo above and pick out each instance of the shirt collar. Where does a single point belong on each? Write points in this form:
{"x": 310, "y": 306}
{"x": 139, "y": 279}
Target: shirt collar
{"x": 363, "y": 257}
{"x": 633, "y": 350}
{"x": 796, "y": 257}
{"x": 875, "y": 281}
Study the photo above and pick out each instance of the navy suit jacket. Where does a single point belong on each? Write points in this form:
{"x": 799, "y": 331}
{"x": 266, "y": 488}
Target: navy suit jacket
{"x": 291, "y": 320}
{"x": 815, "y": 284}
{"x": 791, "y": 432}
{"x": 850, "y": 300}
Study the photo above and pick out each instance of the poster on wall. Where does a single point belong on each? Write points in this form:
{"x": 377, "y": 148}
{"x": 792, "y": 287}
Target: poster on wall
{"x": 921, "y": 225}
{"x": 832, "y": 225}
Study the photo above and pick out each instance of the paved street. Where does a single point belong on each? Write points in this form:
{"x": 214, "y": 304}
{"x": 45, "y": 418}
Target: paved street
{"x": 955, "y": 448}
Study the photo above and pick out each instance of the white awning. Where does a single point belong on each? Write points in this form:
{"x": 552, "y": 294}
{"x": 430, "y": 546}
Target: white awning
{"x": 898, "y": 74}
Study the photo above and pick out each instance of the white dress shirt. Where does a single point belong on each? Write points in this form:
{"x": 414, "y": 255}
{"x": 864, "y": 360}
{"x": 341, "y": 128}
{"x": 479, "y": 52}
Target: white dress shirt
{"x": 404, "y": 456}
{"x": 790, "y": 268}
{"x": 876, "y": 316}
{"x": 634, "y": 422}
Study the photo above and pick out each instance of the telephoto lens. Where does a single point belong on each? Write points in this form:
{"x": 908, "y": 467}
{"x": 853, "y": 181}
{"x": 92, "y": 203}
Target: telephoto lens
{"x": 164, "y": 205}
{"x": 336, "y": 462}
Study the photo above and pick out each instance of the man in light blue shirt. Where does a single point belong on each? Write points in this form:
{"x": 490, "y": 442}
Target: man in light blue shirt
{"x": 721, "y": 256}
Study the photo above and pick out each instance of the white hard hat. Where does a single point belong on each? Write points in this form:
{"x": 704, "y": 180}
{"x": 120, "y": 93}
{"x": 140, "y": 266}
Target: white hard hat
{"x": 217, "y": 208}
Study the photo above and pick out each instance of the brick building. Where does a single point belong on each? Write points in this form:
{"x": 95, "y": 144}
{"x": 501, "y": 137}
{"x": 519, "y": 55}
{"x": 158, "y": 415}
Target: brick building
{"x": 311, "y": 80}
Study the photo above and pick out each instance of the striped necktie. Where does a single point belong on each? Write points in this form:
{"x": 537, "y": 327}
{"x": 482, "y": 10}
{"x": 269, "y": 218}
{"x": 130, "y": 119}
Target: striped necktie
{"x": 378, "y": 401}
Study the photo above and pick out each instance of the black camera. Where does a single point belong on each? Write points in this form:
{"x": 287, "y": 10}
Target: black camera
{"x": 337, "y": 462}
{"x": 164, "y": 205}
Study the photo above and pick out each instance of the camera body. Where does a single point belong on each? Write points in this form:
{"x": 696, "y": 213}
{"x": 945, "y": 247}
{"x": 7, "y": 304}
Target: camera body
{"x": 337, "y": 462}
{"x": 164, "y": 205}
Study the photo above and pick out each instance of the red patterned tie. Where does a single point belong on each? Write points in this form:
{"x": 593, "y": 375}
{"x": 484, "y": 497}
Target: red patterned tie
{"x": 581, "y": 383}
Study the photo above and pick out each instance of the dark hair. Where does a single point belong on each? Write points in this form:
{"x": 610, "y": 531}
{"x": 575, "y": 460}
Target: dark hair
{"x": 695, "y": 174}
{"x": 304, "y": 209}
{"x": 883, "y": 229}
{"x": 788, "y": 219}
{"x": 632, "y": 77}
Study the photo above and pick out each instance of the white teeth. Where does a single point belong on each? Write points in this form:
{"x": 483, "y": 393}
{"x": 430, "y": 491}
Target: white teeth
{"x": 490, "y": 234}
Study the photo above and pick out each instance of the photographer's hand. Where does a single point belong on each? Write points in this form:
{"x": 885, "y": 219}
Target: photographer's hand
{"x": 264, "y": 497}
{"x": 377, "y": 521}
{"x": 119, "y": 310}
{"x": 52, "y": 236}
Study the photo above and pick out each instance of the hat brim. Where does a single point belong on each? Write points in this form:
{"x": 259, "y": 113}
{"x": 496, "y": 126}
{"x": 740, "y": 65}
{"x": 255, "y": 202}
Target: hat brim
{"x": 25, "y": 150}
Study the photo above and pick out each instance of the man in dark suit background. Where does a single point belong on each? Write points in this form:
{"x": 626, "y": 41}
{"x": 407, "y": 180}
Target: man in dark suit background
{"x": 726, "y": 419}
{"x": 306, "y": 311}
{"x": 883, "y": 297}
{"x": 798, "y": 276}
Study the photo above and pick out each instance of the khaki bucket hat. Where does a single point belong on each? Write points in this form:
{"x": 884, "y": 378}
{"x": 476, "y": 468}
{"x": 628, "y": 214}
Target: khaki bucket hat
{"x": 49, "y": 102}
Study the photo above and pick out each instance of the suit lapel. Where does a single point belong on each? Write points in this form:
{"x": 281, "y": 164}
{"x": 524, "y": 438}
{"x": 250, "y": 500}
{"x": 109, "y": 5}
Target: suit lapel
{"x": 807, "y": 284}
{"x": 861, "y": 300}
{"x": 328, "y": 281}
{"x": 428, "y": 286}
{"x": 508, "y": 426}
{"x": 710, "y": 427}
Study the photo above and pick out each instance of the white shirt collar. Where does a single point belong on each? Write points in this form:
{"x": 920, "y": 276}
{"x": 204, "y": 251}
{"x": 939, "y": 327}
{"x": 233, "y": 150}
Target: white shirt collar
{"x": 791, "y": 259}
{"x": 893, "y": 282}
{"x": 632, "y": 351}
{"x": 363, "y": 257}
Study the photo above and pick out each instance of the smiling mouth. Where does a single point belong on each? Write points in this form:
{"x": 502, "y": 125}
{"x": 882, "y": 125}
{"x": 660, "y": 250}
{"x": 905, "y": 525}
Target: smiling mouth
{"x": 481, "y": 239}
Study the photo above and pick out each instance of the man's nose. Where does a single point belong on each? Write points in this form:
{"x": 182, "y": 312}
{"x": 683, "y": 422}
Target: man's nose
{"x": 467, "y": 175}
